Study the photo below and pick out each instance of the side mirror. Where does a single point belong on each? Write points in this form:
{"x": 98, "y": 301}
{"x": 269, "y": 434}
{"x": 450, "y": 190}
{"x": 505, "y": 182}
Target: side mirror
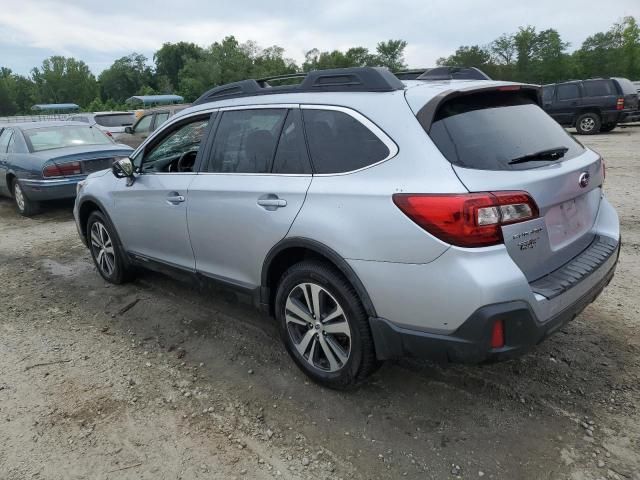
{"x": 128, "y": 130}
{"x": 123, "y": 168}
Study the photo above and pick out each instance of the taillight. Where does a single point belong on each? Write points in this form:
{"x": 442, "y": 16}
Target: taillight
{"x": 467, "y": 220}
{"x": 62, "y": 169}
{"x": 497, "y": 334}
{"x": 620, "y": 104}
{"x": 109, "y": 133}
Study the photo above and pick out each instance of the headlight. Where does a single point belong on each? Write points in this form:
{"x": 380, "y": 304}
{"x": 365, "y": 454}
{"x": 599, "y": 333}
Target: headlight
{"x": 80, "y": 186}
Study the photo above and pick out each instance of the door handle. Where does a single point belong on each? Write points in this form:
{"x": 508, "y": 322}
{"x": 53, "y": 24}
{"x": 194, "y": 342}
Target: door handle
{"x": 271, "y": 202}
{"x": 175, "y": 198}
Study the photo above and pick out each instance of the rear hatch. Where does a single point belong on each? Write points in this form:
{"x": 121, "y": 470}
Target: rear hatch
{"x": 629, "y": 92}
{"x": 499, "y": 139}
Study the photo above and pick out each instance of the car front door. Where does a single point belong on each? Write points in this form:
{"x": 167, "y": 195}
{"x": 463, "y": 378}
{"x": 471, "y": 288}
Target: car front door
{"x": 5, "y": 136}
{"x": 250, "y": 189}
{"x": 140, "y": 131}
{"x": 150, "y": 213}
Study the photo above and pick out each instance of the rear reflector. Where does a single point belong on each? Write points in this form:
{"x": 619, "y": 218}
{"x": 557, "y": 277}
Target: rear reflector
{"x": 62, "y": 169}
{"x": 467, "y": 220}
{"x": 620, "y": 104}
{"x": 497, "y": 334}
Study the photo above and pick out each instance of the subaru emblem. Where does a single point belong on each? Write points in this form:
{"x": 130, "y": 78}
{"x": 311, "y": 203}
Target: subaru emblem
{"x": 583, "y": 181}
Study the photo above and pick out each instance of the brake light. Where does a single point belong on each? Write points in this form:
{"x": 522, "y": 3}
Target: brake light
{"x": 62, "y": 169}
{"x": 620, "y": 104}
{"x": 509, "y": 88}
{"x": 467, "y": 220}
{"x": 497, "y": 334}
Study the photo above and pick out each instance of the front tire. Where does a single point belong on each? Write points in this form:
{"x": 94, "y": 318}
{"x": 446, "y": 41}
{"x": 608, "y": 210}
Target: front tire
{"x": 106, "y": 251}
{"x": 324, "y": 326}
{"x": 24, "y": 205}
{"x": 588, "y": 123}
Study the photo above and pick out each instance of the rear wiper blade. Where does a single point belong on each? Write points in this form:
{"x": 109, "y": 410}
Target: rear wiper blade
{"x": 541, "y": 156}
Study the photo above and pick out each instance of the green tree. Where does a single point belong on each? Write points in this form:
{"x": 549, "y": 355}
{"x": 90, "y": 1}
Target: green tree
{"x": 550, "y": 59}
{"x": 170, "y": 59}
{"x": 390, "y": 54}
{"x": 64, "y": 80}
{"x": 126, "y": 77}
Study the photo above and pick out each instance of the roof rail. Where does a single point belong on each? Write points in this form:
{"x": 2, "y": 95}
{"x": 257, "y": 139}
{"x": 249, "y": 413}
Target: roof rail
{"x": 443, "y": 73}
{"x": 357, "y": 79}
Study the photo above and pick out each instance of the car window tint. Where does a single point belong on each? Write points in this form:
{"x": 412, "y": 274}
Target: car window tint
{"x": 547, "y": 93}
{"x": 598, "y": 88}
{"x": 291, "y": 154}
{"x": 144, "y": 124}
{"x": 185, "y": 140}
{"x": 340, "y": 143}
{"x": 115, "y": 120}
{"x": 246, "y": 141}
{"x": 161, "y": 118}
{"x": 12, "y": 143}
{"x": 4, "y": 140}
{"x": 568, "y": 92}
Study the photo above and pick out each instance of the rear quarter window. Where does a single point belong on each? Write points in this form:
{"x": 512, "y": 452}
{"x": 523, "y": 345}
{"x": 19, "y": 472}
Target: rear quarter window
{"x": 339, "y": 143}
{"x": 486, "y": 131}
{"x": 599, "y": 88}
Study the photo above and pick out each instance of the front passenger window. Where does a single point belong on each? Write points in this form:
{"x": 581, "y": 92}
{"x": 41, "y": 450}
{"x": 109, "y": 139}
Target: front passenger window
{"x": 178, "y": 150}
{"x": 246, "y": 141}
{"x": 143, "y": 125}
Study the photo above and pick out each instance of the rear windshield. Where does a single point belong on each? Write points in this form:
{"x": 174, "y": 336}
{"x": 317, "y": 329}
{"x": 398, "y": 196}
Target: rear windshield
{"x": 115, "y": 120}
{"x": 486, "y": 131}
{"x": 48, "y": 138}
{"x": 626, "y": 85}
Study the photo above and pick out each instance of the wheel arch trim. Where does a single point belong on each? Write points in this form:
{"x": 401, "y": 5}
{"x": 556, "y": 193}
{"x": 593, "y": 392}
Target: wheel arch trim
{"x": 320, "y": 249}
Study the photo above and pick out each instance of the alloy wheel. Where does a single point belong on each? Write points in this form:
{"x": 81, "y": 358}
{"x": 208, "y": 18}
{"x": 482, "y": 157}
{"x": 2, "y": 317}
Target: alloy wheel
{"x": 19, "y": 196}
{"x": 318, "y": 327}
{"x": 587, "y": 124}
{"x": 102, "y": 247}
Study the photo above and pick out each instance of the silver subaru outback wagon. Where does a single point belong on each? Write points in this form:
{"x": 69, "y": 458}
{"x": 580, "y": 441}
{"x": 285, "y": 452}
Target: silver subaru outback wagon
{"x": 372, "y": 217}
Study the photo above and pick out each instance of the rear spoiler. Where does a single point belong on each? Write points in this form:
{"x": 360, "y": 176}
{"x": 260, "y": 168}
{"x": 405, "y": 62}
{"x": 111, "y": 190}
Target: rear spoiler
{"x": 428, "y": 112}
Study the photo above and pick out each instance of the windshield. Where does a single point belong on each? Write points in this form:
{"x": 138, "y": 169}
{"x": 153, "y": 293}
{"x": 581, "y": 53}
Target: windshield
{"x": 486, "y": 131}
{"x": 115, "y": 120}
{"x": 49, "y": 138}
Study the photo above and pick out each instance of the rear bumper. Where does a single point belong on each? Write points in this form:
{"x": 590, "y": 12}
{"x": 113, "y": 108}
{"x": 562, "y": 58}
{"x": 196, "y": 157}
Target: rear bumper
{"x": 630, "y": 117}
{"x": 471, "y": 342}
{"x": 51, "y": 189}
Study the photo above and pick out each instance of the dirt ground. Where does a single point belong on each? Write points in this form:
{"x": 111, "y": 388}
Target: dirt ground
{"x": 155, "y": 380}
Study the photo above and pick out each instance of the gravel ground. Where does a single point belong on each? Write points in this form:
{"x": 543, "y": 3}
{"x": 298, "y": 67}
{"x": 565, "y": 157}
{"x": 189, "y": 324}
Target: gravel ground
{"x": 155, "y": 380}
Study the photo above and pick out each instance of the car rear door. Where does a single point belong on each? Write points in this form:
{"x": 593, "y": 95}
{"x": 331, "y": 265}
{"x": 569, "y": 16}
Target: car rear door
{"x": 566, "y": 103}
{"x": 250, "y": 189}
{"x": 151, "y": 213}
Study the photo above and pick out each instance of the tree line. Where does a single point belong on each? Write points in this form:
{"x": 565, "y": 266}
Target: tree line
{"x": 188, "y": 69}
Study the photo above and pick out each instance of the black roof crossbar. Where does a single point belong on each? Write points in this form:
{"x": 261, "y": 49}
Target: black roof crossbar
{"x": 443, "y": 73}
{"x": 357, "y": 79}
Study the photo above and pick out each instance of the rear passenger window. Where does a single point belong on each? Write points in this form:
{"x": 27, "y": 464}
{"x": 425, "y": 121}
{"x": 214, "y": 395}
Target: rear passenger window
{"x": 246, "y": 141}
{"x": 547, "y": 94}
{"x": 291, "y": 155}
{"x": 598, "y": 88}
{"x": 340, "y": 143}
{"x": 568, "y": 92}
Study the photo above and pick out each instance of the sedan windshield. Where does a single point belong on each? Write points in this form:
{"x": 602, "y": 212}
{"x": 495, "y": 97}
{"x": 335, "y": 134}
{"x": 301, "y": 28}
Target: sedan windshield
{"x": 49, "y": 138}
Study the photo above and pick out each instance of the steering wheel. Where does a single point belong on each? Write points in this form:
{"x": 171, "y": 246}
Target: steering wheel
{"x": 186, "y": 161}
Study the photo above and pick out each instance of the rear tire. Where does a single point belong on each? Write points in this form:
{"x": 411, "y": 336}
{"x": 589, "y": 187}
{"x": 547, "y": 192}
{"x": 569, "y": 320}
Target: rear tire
{"x": 608, "y": 127}
{"x": 106, "y": 250}
{"x": 588, "y": 123}
{"x": 324, "y": 326}
{"x": 25, "y": 207}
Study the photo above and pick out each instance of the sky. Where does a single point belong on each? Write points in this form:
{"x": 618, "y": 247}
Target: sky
{"x": 99, "y": 32}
